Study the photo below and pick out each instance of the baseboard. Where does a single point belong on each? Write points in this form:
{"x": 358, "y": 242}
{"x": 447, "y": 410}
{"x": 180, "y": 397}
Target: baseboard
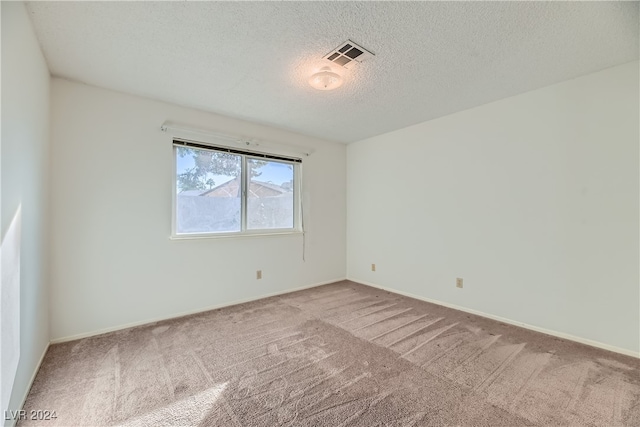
{"x": 12, "y": 422}
{"x": 562, "y": 335}
{"x": 188, "y": 313}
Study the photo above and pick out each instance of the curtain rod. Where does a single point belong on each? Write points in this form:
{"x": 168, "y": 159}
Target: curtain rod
{"x": 184, "y": 143}
{"x": 234, "y": 140}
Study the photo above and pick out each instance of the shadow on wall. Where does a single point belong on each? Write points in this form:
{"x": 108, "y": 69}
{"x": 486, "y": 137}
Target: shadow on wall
{"x": 10, "y": 307}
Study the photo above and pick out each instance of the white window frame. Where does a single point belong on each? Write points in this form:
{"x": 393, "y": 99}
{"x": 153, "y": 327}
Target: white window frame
{"x": 245, "y": 155}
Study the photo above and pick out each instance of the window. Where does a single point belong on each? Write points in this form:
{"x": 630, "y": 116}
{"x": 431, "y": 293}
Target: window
{"x": 225, "y": 191}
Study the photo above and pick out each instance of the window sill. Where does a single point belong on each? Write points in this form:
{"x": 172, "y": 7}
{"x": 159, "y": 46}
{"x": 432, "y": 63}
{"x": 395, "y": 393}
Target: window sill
{"x": 234, "y": 235}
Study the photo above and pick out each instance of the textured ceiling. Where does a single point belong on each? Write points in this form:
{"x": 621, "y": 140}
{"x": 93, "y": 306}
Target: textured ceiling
{"x": 252, "y": 60}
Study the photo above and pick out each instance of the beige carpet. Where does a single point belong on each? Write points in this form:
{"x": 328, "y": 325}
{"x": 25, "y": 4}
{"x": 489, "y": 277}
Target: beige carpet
{"x": 337, "y": 355}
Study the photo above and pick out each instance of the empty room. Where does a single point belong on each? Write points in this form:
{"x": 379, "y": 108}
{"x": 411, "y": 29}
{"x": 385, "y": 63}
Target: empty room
{"x": 324, "y": 213}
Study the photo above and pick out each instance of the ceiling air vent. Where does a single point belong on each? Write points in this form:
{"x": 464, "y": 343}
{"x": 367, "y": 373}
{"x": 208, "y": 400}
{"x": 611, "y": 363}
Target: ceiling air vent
{"x": 348, "y": 54}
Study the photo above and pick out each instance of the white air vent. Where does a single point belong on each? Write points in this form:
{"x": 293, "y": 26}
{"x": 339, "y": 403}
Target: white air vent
{"x": 348, "y": 54}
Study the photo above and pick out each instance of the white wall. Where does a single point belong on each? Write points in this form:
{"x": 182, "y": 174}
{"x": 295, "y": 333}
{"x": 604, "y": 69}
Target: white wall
{"x": 113, "y": 263}
{"x": 24, "y": 170}
{"x": 532, "y": 200}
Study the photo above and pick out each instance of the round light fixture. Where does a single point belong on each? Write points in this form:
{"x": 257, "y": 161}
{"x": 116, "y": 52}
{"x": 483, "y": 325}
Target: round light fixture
{"x": 325, "y": 79}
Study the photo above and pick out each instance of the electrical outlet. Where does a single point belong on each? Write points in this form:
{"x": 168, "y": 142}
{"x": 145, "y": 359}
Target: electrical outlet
{"x": 373, "y": 267}
{"x": 458, "y": 282}
{"x": 259, "y": 274}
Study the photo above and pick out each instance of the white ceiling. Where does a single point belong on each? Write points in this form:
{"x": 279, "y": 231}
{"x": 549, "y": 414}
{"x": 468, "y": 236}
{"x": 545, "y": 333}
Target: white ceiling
{"x": 252, "y": 60}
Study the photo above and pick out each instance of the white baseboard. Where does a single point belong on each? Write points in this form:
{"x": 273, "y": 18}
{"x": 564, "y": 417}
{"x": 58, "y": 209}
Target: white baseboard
{"x": 562, "y": 335}
{"x": 188, "y": 313}
{"x": 12, "y": 422}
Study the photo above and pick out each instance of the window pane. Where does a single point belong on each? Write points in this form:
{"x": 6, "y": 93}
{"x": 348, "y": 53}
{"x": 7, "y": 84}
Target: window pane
{"x": 270, "y": 195}
{"x": 209, "y": 191}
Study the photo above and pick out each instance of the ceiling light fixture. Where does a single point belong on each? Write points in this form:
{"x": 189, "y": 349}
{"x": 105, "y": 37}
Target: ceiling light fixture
{"x": 325, "y": 79}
